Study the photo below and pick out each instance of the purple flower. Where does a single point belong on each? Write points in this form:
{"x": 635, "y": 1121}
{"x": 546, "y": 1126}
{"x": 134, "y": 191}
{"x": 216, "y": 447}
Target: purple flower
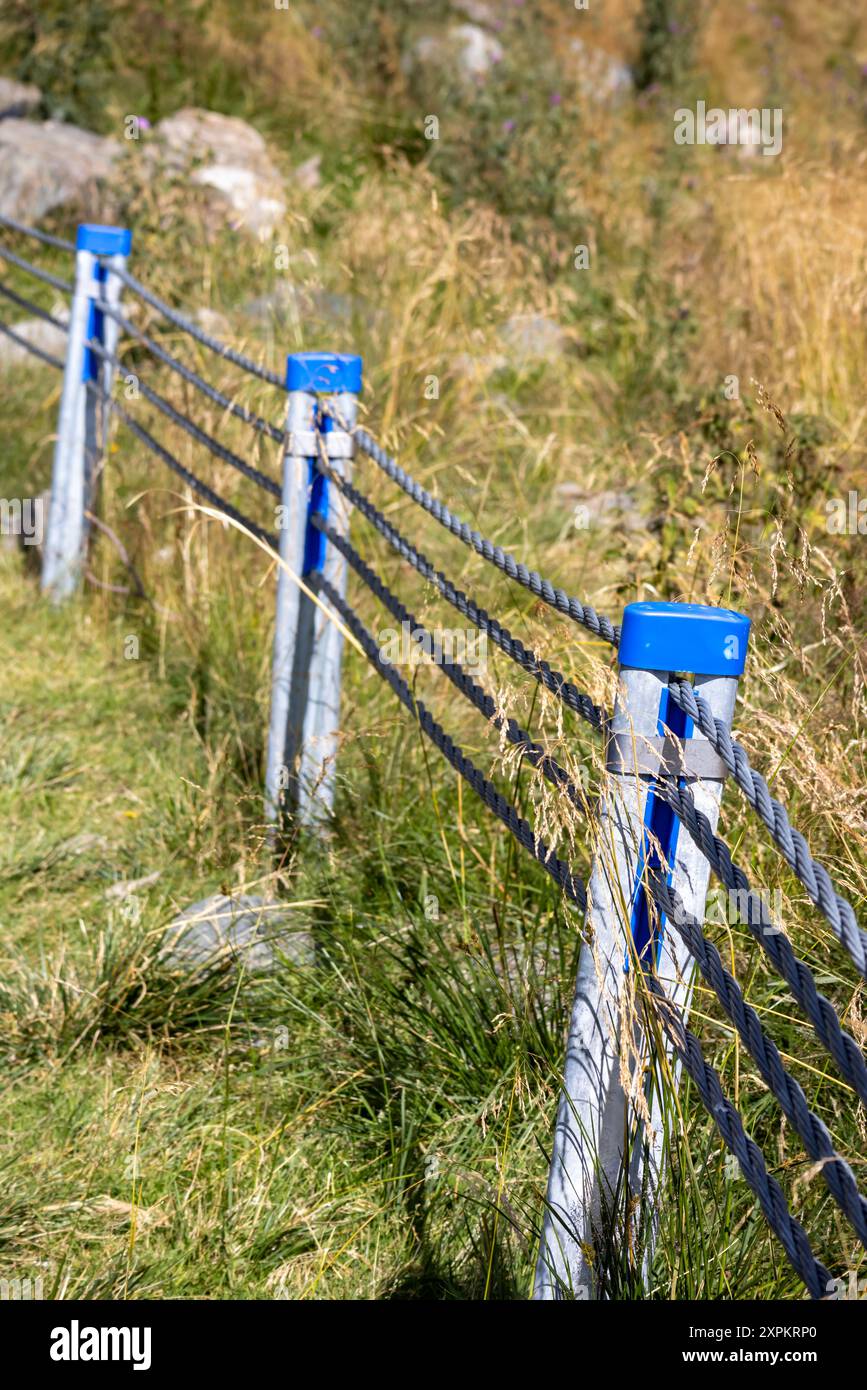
{"x": 508, "y": 126}
{"x": 143, "y": 123}
{"x": 776, "y": 22}
{"x": 317, "y": 31}
{"x": 555, "y": 99}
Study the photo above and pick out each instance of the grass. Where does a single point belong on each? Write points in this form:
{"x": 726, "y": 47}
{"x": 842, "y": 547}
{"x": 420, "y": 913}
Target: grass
{"x": 377, "y": 1127}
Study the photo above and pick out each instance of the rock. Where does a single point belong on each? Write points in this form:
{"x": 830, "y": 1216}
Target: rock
{"x": 46, "y": 163}
{"x": 18, "y": 98}
{"x": 309, "y": 174}
{"x": 469, "y": 47}
{"x": 230, "y": 158}
{"x": 529, "y": 336}
{"x": 41, "y": 334}
{"x": 247, "y": 931}
{"x": 600, "y": 77}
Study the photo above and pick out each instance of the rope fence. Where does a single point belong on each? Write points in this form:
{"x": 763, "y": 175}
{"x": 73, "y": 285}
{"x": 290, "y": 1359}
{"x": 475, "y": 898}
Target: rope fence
{"x": 668, "y": 749}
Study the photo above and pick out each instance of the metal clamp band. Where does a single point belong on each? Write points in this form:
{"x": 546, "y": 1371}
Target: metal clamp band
{"x": 338, "y": 444}
{"x": 664, "y": 757}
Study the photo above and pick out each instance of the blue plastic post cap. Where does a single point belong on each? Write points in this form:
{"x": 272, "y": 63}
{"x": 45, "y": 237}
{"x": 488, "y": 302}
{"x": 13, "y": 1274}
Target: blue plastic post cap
{"x": 684, "y": 637}
{"x": 103, "y": 241}
{"x": 323, "y": 371}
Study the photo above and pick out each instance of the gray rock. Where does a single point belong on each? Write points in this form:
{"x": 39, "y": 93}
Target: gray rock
{"x": 41, "y": 334}
{"x": 46, "y": 163}
{"x": 18, "y": 98}
{"x": 247, "y": 931}
{"x": 600, "y": 77}
{"x": 230, "y": 159}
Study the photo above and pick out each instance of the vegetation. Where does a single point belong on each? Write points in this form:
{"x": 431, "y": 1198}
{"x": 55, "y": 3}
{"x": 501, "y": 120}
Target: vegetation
{"x": 377, "y": 1126}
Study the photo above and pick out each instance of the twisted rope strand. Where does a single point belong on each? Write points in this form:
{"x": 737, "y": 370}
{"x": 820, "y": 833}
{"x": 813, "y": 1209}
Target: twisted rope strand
{"x": 187, "y": 325}
{"x": 562, "y": 875}
{"x": 47, "y": 278}
{"x": 552, "y": 680}
{"x": 36, "y": 234}
{"x": 753, "y": 911}
{"x": 248, "y": 416}
{"x": 23, "y": 303}
{"x": 177, "y": 467}
{"x": 216, "y": 448}
{"x": 534, "y": 752}
{"x": 837, "y": 1174}
{"x": 817, "y": 881}
{"x": 771, "y": 1197}
{"x": 35, "y": 351}
{"x": 542, "y": 588}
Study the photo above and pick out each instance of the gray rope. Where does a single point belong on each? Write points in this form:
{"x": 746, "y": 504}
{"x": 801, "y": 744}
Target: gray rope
{"x": 771, "y": 1197}
{"x": 552, "y": 680}
{"x": 754, "y": 913}
{"x": 523, "y": 832}
{"x": 213, "y": 445}
{"x": 837, "y": 911}
{"x": 542, "y": 588}
{"x": 31, "y": 347}
{"x": 241, "y": 411}
{"x": 55, "y": 281}
{"x": 837, "y": 1174}
{"x": 187, "y": 325}
{"x": 28, "y": 304}
{"x": 534, "y": 752}
{"x": 36, "y": 234}
{"x": 177, "y": 467}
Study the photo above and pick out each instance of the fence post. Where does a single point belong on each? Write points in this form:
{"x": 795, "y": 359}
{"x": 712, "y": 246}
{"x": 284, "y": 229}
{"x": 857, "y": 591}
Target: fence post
{"x": 305, "y": 686}
{"x": 595, "y": 1136}
{"x": 81, "y": 425}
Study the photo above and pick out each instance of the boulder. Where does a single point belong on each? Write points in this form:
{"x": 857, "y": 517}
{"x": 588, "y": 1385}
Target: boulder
{"x": 229, "y": 158}
{"x": 46, "y": 163}
{"x": 18, "y": 98}
{"x": 246, "y": 931}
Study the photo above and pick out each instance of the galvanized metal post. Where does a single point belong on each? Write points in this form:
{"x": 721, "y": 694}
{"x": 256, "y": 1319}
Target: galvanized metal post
{"x": 600, "y": 1144}
{"x": 306, "y": 672}
{"x": 80, "y": 430}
